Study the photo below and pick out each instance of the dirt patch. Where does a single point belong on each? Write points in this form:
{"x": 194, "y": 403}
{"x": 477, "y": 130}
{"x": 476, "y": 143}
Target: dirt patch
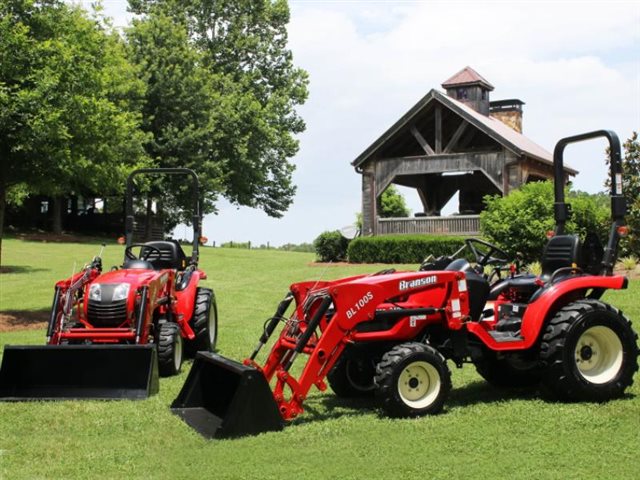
{"x": 23, "y": 320}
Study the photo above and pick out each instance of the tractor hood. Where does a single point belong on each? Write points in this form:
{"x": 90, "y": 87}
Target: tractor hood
{"x": 117, "y": 285}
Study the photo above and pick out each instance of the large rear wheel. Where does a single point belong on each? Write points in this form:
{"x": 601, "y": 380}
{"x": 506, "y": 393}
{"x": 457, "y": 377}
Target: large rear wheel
{"x": 590, "y": 352}
{"x": 204, "y": 322}
{"x": 412, "y": 379}
{"x": 352, "y": 375}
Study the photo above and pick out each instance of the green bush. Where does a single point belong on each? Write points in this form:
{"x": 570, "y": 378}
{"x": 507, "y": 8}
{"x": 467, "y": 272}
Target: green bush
{"x": 519, "y": 222}
{"x": 331, "y": 247}
{"x": 401, "y": 248}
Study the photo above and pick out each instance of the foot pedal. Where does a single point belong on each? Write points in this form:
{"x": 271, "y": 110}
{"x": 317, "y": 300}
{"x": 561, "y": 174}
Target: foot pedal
{"x": 505, "y": 336}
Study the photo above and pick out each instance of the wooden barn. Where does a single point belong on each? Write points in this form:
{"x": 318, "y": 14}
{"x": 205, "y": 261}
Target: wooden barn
{"x": 447, "y": 143}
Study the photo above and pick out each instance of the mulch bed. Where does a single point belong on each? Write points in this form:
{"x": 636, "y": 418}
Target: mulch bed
{"x": 24, "y": 320}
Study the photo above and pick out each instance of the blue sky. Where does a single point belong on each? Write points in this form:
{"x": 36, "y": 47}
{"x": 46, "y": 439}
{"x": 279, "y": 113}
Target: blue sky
{"x": 576, "y": 65}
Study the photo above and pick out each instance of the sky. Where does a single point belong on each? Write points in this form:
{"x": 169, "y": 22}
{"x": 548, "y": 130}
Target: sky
{"x": 575, "y": 64}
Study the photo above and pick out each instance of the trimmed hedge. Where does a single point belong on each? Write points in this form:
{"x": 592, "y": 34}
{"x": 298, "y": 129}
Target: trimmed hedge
{"x": 401, "y": 248}
{"x": 331, "y": 247}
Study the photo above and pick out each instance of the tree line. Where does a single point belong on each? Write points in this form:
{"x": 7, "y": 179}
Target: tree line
{"x": 207, "y": 85}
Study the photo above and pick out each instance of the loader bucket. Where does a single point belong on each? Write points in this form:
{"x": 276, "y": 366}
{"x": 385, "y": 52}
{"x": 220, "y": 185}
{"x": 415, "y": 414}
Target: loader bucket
{"x": 57, "y": 372}
{"x": 223, "y": 398}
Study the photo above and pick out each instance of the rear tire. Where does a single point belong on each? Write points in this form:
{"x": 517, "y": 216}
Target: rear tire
{"x": 170, "y": 349}
{"x": 204, "y": 323}
{"x": 412, "y": 379}
{"x": 590, "y": 352}
{"x": 352, "y": 375}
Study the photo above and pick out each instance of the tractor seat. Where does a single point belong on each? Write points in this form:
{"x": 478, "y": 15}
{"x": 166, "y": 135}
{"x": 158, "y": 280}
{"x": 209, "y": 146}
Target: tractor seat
{"x": 561, "y": 251}
{"x": 477, "y": 286}
{"x": 171, "y": 255}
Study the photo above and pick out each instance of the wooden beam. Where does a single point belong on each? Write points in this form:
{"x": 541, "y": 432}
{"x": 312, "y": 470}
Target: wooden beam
{"x": 421, "y": 140}
{"x": 438, "y": 148}
{"x": 456, "y": 136}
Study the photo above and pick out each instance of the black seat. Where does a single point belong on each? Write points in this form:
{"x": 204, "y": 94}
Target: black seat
{"x": 562, "y": 251}
{"x": 477, "y": 286}
{"x": 171, "y": 255}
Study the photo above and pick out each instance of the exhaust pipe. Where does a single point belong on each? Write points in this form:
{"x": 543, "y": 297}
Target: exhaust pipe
{"x": 59, "y": 372}
{"x": 224, "y": 399}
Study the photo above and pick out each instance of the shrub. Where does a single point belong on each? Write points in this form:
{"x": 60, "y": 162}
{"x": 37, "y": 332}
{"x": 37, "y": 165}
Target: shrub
{"x": 519, "y": 221}
{"x": 628, "y": 263}
{"x": 401, "y": 248}
{"x": 331, "y": 247}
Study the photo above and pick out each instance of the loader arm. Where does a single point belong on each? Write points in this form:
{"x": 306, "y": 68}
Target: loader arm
{"x": 326, "y": 320}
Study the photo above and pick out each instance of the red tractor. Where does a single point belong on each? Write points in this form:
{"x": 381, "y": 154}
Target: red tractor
{"x": 110, "y": 333}
{"x": 390, "y": 334}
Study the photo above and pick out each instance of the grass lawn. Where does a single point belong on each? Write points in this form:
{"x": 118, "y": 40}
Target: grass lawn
{"x": 483, "y": 433}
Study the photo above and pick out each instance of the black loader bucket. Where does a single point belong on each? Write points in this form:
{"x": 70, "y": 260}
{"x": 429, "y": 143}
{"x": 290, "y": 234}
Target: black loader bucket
{"x": 223, "y": 398}
{"x": 57, "y": 372}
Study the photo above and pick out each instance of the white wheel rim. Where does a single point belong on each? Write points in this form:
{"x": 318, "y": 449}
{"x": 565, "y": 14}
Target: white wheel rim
{"x": 211, "y": 326}
{"x": 419, "y": 384}
{"x": 598, "y": 354}
{"x": 177, "y": 352}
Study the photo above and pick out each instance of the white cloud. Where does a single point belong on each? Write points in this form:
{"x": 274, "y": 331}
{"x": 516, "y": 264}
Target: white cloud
{"x": 576, "y": 64}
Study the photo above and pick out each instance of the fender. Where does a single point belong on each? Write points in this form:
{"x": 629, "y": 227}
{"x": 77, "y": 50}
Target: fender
{"x": 538, "y": 311}
{"x": 185, "y": 303}
{"x": 548, "y": 303}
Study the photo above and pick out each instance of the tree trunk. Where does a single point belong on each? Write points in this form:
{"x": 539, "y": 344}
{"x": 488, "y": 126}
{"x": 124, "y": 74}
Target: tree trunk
{"x": 56, "y": 226}
{"x": 147, "y": 220}
{"x": 3, "y": 204}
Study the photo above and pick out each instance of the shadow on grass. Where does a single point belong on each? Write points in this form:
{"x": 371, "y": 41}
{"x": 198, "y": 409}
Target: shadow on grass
{"x": 483, "y": 392}
{"x": 327, "y": 407}
{"x": 21, "y": 269}
{"x": 23, "y": 319}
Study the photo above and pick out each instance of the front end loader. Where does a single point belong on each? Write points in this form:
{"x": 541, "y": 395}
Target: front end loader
{"x": 111, "y": 334}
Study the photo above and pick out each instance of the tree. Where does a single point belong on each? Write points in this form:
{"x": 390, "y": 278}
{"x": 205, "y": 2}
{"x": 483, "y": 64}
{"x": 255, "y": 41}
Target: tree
{"x": 519, "y": 222}
{"x": 631, "y": 191}
{"x": 392, "y": 204}
{"x": 233, "y": 56}
{"x": 68, "y": 119}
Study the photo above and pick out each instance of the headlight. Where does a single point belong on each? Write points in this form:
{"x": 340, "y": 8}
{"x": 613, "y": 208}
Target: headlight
{"x": 95, "y": 292}
{"x": 121, "y": 292}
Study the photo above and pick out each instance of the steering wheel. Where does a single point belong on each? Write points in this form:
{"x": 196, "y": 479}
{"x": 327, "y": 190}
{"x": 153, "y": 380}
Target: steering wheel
{"x": 147, "y": 253}
{"x": 487, "y": 254}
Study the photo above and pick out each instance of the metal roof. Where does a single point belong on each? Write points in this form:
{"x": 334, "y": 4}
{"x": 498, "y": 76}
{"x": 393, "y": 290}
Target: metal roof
{"x": 467, "y": 76}
{"x": 501, "y": 133}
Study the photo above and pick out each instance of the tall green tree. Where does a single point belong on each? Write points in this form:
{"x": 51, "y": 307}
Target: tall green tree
{"x": 68, "y": 102}
{"x": 392, "y": 204}
{"x": 631, "y": 191}
{"x": 234, "y": 56}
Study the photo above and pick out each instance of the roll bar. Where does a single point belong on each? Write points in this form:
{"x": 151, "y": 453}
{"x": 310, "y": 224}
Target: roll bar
{"x": 562, "y": 210}
{"x": 197, "y": 212}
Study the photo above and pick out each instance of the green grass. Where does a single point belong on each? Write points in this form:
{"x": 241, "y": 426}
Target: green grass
{"x": 484, "y": 432}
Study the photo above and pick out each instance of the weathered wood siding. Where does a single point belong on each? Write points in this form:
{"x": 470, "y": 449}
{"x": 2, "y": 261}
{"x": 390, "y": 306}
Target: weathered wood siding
{"x": 454, "y": 225}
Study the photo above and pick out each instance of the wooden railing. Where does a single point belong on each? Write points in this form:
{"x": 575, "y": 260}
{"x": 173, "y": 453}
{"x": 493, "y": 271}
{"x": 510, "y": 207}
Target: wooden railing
{"x": 454, "y": 225}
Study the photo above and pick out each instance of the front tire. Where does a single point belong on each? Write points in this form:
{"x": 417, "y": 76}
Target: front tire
{"x": 170, "y": 349}
{"x": 590, "y": 352}
{"x": 204, "y": 322}
{"x": 412, "y": 380}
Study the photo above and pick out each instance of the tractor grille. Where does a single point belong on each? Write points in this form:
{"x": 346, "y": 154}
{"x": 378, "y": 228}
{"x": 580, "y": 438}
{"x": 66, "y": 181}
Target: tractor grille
{"x": 110, "y": 314}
